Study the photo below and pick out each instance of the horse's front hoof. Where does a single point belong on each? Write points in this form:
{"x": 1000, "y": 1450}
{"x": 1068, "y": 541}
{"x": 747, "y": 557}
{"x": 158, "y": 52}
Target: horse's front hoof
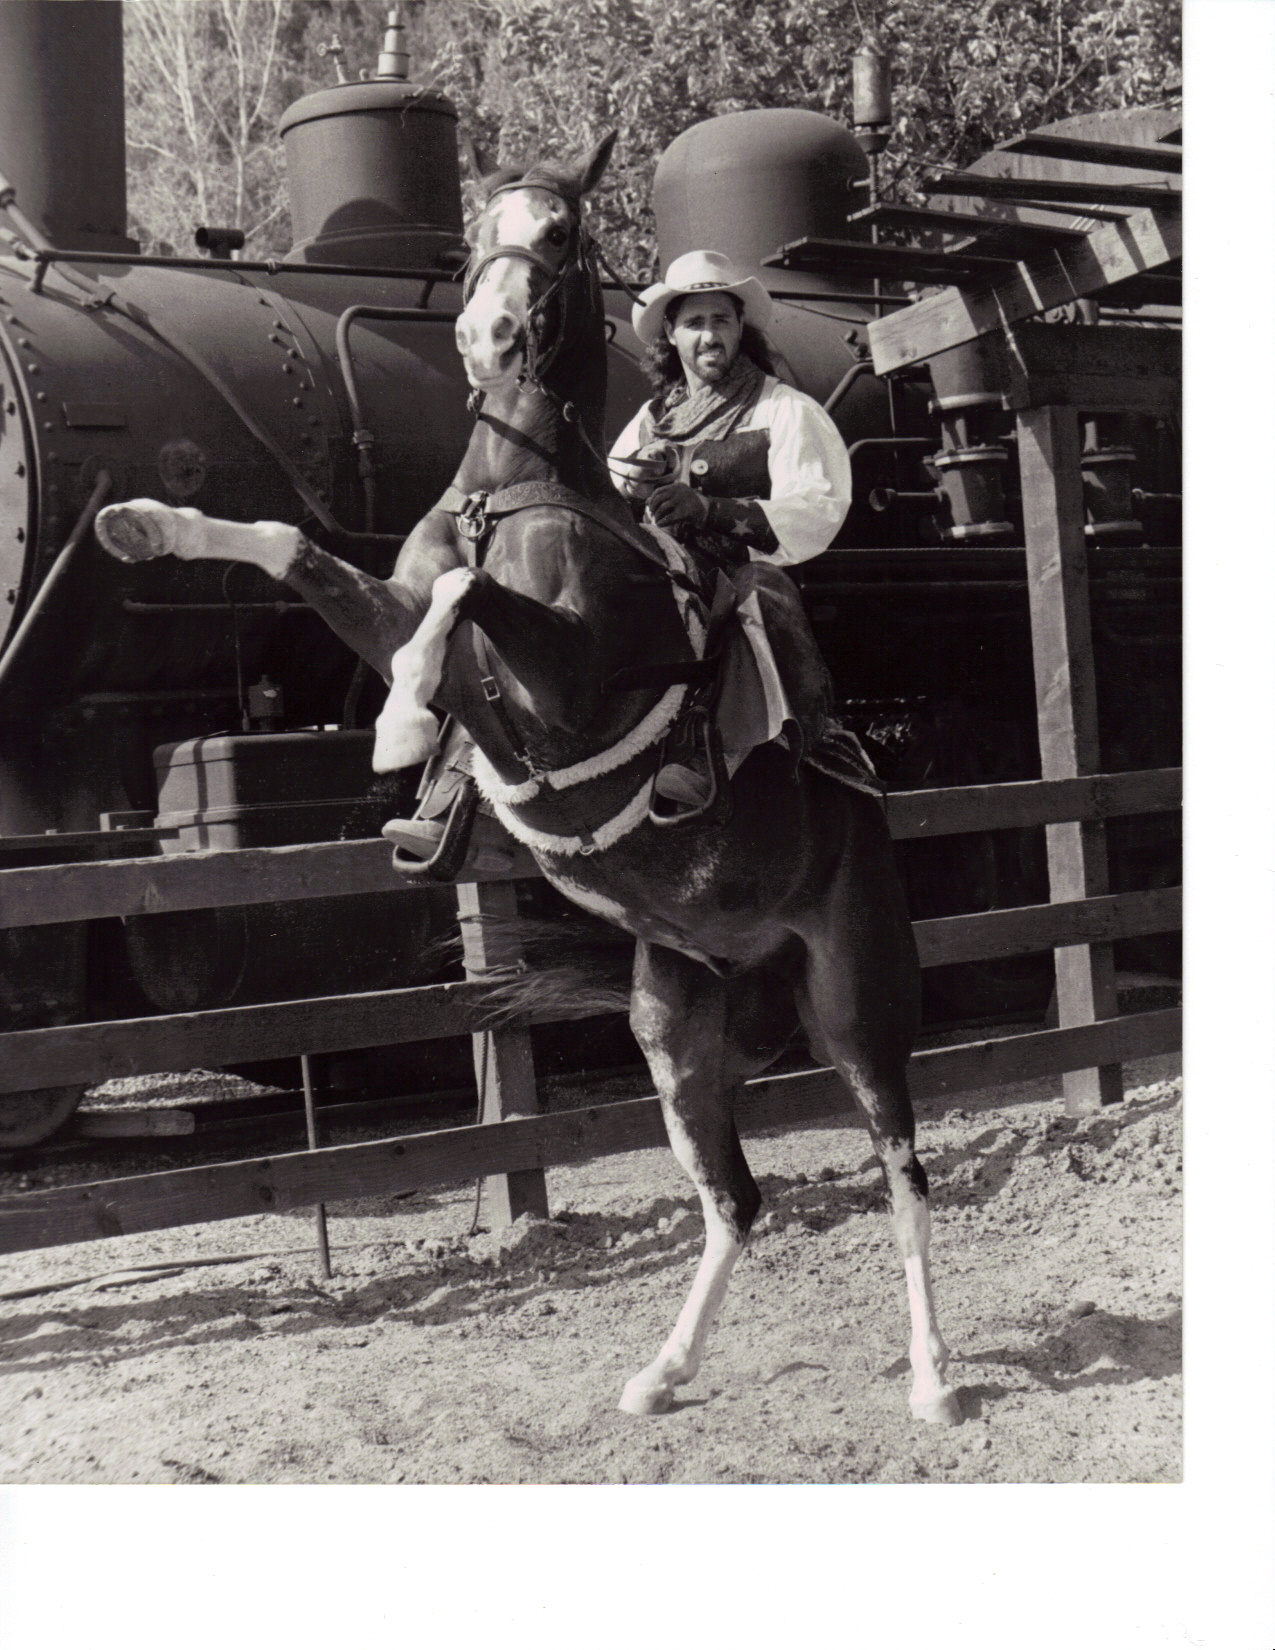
{"x": 642, "y": 1397}
{"x": 943, "y": 1410}
{"x": 130, "y": 534}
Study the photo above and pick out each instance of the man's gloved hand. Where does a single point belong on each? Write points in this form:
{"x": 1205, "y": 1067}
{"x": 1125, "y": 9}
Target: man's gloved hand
{"x": 640, "y": 473}
{"x": 677, "y": 505}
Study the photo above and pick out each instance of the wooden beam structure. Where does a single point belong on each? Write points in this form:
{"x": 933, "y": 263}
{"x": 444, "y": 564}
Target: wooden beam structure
{"x": 217, "y": 1037}
{"x": 1140, "y": 157}
{"x": 1145, "y": 241}
{"x": 1100, "y": 368}
{"x": 1023, "y": 191}
{"x": 1067, "y": 715}
{"x": 207, "y": 877}
{"x": 92, "y": 1052}
{"x": 846, "y": 260}
{"x": 1046, "y": 375}
{"x": 1027, "y": 802}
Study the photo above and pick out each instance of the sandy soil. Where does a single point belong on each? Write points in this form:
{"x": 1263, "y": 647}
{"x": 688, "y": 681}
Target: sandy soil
{"x": 436, "y": 1357}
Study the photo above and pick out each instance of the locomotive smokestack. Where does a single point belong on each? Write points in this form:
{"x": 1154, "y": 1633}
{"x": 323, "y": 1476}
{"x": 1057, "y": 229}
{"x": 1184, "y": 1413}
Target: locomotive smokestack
{"x": 62, "y": 119}
{"x": 392, "y": 63}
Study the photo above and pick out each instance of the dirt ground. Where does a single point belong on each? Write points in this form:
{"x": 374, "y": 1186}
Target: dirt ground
{"x": 436, "y": 1357}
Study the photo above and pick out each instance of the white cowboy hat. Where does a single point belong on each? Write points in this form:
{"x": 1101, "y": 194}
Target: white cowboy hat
{"x": 699, "y": 272}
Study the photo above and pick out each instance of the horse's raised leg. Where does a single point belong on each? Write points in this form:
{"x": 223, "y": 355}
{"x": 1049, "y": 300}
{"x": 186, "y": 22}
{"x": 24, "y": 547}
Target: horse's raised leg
{"x": 143, "y": 529}
{"x": 858, "y": 1002}
{"x": 701, "y": 1036}
{"x": 375, "y": 617}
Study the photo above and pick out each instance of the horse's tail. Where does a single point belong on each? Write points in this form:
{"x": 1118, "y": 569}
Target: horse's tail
{"x": 573, "y": 967}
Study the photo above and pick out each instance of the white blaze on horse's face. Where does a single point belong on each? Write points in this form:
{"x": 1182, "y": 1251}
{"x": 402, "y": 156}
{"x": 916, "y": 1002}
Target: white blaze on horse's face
{"x": 491, "y": 331}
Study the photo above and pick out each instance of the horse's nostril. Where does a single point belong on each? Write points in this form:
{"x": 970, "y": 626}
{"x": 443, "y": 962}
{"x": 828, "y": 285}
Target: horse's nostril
{"x": 503, "y": 328}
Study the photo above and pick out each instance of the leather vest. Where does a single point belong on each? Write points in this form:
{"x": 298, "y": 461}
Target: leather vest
{"x": 736, "y": 467}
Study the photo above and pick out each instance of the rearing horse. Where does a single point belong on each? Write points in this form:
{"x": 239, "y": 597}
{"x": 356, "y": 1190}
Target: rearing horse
{"x": 789, "y": 912}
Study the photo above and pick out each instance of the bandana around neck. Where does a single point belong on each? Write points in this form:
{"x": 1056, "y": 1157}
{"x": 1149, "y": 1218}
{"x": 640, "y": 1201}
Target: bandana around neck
{"x": 711, "y": 411}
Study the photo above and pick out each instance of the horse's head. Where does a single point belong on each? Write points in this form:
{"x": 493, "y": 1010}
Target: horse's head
{"x": 527, "y": 246}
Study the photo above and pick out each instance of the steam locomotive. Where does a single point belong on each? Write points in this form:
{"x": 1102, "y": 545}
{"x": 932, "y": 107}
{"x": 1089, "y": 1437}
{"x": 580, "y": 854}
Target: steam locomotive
{"x": 325, "y": 389}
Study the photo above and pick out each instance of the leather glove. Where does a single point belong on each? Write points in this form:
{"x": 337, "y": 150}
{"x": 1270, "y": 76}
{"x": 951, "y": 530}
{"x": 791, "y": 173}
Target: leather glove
{"x": 677, "y": 505}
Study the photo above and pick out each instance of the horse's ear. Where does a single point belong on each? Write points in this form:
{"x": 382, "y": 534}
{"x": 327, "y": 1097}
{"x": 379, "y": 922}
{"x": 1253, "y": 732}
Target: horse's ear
{"x": 593, "y": 168}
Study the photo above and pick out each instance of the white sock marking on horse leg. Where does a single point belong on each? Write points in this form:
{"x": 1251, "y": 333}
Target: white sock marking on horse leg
{"x": 143, "y": 529}
{"x": 931, "y": 1399}
{"x": 651, "y": 1391}
{"x": 678, "y": 1360}
{"x": 406, "y": 729}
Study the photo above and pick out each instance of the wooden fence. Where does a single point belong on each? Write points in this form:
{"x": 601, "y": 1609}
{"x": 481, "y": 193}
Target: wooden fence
{"x": 516, "y": 1148}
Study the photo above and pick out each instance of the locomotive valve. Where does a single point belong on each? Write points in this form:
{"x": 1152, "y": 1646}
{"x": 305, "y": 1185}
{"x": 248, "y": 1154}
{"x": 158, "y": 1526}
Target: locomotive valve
{"x": 881, "y": 498}
{"x": 219, "y": 243}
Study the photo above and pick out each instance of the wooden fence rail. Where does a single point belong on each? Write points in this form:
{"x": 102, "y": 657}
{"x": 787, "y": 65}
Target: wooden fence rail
{"x": 250, "y": 876}
{"x": 185, "y": 1197}
{"x": 94, "y": 1051}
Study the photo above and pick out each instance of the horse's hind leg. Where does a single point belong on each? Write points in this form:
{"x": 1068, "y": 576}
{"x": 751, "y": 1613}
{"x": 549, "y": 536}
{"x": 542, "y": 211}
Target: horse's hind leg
{"x": 860, "y": 1014}
{"x": 701, "y": 1036}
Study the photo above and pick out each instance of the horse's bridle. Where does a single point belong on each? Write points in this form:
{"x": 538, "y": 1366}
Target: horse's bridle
{"x": 579, "y": 254}
{"x": 584, "y": 257}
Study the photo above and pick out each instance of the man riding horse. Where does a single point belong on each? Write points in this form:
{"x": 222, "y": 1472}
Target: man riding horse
{"x": 740, "y": 474}
{"x": 528, "y": 607}
{"x": 750, "y": 475}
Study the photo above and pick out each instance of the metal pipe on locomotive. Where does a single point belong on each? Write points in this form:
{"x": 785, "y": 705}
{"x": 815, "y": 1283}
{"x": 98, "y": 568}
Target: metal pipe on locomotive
{"x": 325, "y": 389}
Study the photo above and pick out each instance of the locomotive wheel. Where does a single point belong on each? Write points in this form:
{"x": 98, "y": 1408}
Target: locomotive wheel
{"x": 32, "y": 1115}
{"x": 42, "y": 983}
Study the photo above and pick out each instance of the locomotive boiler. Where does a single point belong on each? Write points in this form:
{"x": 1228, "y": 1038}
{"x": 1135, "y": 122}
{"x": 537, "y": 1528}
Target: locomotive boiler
{"x": 324, "y": 389}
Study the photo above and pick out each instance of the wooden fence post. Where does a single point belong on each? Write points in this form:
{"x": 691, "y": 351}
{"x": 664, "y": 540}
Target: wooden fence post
{"x": 1067, "y": 716}
{"x": 503, "y": 1063}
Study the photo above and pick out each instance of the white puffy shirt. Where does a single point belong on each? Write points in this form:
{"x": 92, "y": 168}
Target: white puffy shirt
{"x": 808, "y": 463}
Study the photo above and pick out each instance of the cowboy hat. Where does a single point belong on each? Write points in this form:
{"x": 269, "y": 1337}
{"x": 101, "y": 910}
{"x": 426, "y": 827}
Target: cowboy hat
{"x": 699, "y": 272}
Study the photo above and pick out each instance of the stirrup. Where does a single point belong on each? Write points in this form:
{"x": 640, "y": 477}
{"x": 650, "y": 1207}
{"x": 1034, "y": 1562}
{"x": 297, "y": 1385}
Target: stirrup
{"x": 693, "y": 742}
{"x": 448, "y": 839}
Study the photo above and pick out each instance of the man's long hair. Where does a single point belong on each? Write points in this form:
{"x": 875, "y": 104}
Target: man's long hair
{"x": 663, "y": 366}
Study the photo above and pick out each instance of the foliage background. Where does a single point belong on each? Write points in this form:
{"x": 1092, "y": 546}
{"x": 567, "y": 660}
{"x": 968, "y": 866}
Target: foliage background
{"x": 209, "y": 79}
